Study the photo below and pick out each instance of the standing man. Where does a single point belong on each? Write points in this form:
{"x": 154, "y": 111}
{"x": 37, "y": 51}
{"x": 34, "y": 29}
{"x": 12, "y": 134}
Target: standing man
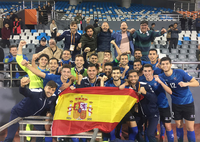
{"x": 78, "y": 19}
{"x": 143, "y": 38}
{"x": 147, "y": 107}
{"x": 49, "y": 9}
{"x": 182, "y": 101}
{"x": 159, "y": 87}
{"x": 5, "y": 34}
{"x": 183, "y": 22}
{"x": 174, "y": 37}
{"x": 72, "y": 39}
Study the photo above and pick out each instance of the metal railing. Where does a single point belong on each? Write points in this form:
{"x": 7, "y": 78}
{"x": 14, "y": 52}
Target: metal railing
{"x": 40, "y": 120}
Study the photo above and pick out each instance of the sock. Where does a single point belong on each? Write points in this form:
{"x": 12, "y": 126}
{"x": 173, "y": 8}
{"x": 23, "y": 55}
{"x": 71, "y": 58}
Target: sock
{"x": 179, "y": 133}
{"x": 191, "y": 136}
{"x": 170, "y": 136}
{"x": 75, "y": 139}
{"x": 162, "y": 129}
{"x": 132, "y": 132}
{"x": 84, "y": 139}
{"x": 145, "y": 134}
{"x": 48, "y": 139}
{"x": 112, "y": 135}
{"x": 29, "y": 127}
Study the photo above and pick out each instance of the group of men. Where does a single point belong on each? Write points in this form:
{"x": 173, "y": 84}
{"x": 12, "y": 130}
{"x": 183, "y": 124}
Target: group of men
{"x": 147, "y": 75}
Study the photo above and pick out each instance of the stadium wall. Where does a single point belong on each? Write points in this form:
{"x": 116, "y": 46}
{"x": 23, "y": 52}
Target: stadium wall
{"x": 11, "y": 96}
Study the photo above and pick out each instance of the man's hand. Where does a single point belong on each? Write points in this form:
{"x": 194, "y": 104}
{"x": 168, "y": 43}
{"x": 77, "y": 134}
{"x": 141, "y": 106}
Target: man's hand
{"x": 72, "y": 87}
{"x": 128, "y": 52}
{"x": 58, "y": 34}
{"x": 163, "y": 31}
{"x": 24, "y": 81}
{"x": 126, "y": 67}
{"x": 72, "y": 78}
{"x": 25, "y": 63}
{"x": 183, "y": 84}
{"x": 111, "y": 30}
{"x": 35, "y": 56}
{"x": 157, "y": 79}
{"x": 22, "y": 43}
{"x": 80, "y": 77}
{"x": 142, "y": 90}
{"x": 105, "y": 60}
{"x": 79, "y": 46}
{"x": 132, "y": 30}
{"x": 104, "y": 78}
{"x": 87, "y": 49}
{"x": 64, "y": 86}
{"x": 112, "y": 42}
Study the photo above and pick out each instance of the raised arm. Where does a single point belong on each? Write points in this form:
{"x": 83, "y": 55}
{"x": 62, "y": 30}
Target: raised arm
{"x": 117, "y": 49}
{"x": 165, "y": 87}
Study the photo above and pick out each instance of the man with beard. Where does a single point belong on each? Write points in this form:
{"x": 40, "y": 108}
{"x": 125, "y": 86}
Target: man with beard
{"x": 107, "y": 71}
{"x": 182, "y": 101}
{"x": 124, "y": 39}
{"x": 143, "y": 38}
{"x": 52, "y": 50}
{"x": 147, "y": 109}
{"x": 72, "y": 39}
{"x": 116, "y": 82}
{"x": 91, "y": 80}
{"x": 160, "y": 88}
{"x": 65, "y": 58}
{"x": 79, "y": 69}
{"x": 124, "y": 64}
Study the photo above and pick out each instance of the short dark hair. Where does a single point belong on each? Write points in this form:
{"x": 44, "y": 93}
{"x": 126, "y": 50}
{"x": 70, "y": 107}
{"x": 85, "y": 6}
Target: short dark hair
{"x": 176, "y": 23}
{"x": 166, "y": 59}
{"x": 108, "y": 51}
{"x": 153, "y": 49}
{"x": 108, "y": 64}
{"x": 79, "y": 55}
{"x": 131, "y": 71}
{"x": 137, "y": 49}
{"x": 94, "y": 54}
{"x": 170, "y": 25}
{"x": 153, "y": 24}
{"x": 52, "y": 84}
{"x": 44, "y": 55}
{"x": 12, "y": 46}
{"x": 63, "y": 52}
{"x": 137, "y": 60}
{"x": 148, "y": 65}
{"x": 123, "y": 54}
{"x": 66, "y": 66}
{"x": 93, "y": 65}
{"x": 20, "y": 18}
{"x": 53, "y": 58}
{"x": 89, "y": 27}
{"x": 144, "y": 22}
{"x": 116, "y": 68}
{"x": 73, "y": 23}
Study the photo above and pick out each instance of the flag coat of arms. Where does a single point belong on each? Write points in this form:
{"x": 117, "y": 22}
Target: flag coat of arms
{"x": 84, "y": 109}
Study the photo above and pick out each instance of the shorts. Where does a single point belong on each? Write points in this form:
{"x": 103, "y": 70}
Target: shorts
{"x": 183, "y": 111}
{"x": 165, "y": 115}
{"x": 129, "y": 116}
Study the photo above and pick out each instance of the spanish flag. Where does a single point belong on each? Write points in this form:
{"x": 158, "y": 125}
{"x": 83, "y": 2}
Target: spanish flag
{"x": 84, "y": 109}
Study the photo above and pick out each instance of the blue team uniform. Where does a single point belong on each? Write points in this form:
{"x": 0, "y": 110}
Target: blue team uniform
{"x": 157, "y": 70}
{"x": 142, "y": 78}
{"x": 111, "y": 84}
{"x": 180, "y": 95}
{"x": 55, "y": 78}
{"x": 160, "y": 92}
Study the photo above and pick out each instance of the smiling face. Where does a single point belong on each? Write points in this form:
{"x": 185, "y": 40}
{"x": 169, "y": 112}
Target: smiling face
{"x": 79, "y": 61}
{"x": 107, "y": 55}
{"x": 153, "y": 56}
{"x": 92, "y": 72}
{"x": 43, "y": 61}
{"x": 124, "y": 27}
{"x": 137, "y": 66}
{"x": 108, "y": 70}
{"x": 73, "y": 27}
{"x": 49, "y": 91}
{"x": 143, "y": 27}
{"x": 124, "y": 60}
{"x": 53, "y": 65}
{"x": 52, "y": 43}
{"x": 13, "y": 51}
{"x": 66, "y": 55}
{"x": 133, "y": 78}
{"x": 93, "y": 59}
{"x": 137, "y": 54}
{"x": 166, "y": 66}
{"x": 65, "y": 73}
{"x": 105, "y": 26}
{"x": 148, "y": 73}
{"x": 116, "y": 75}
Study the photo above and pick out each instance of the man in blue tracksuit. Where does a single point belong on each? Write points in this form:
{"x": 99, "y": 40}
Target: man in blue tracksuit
{"x": 34, "y": 103}
{"x": 147, "y": 107}
{"x": 72, "y": 39}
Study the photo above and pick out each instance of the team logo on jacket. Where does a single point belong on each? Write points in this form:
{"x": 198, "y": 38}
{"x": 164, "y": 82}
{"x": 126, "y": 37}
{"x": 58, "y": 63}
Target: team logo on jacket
{"x": 80, "y": 108}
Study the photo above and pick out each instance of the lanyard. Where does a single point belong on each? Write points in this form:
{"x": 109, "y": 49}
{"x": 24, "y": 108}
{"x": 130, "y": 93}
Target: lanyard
{"x": 72, "y": 36}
